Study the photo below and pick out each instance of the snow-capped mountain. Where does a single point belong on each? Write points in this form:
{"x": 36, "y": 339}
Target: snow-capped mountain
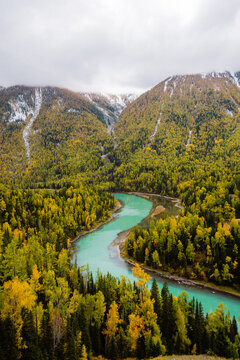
{"x": 227, "y": 75}
{"x": 21, "y": 103}
{"x": 110, "y": 105}
{"x": 191, "y": 93}
{"x": 60, "y": 132}
{"x": 34, "y": 121}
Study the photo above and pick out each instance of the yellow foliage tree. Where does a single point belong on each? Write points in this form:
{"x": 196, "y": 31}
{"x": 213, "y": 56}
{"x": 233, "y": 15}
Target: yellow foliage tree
{"x": 136, "y": 327}
{"x": 84, "y": 353}
{"x": 17, "y": 295}
{"x": 141, "y": 275}
{"x": 34, "y": 281}
{"x": 112, "y": 321}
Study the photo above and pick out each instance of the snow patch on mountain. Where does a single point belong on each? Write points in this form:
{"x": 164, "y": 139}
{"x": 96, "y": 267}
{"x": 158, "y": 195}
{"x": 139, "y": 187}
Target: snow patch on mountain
{"x": 111, "y": 106}
{"x": 166, "y": 83}
{"x": 189, "y": 138}
{"x": 109, "y": 120}
{"x": 27, "y": 129}
{"x": 157, "y": 123}
{"x": 227, "y": 75}
{"x": 118, "y": 102}
{"x": 73, "y": 111}
{"x": 229, "y": 112}
{"x": 20, "y": 110}
{"x": 212, "y": 74}
{"x": 235, "y": 79}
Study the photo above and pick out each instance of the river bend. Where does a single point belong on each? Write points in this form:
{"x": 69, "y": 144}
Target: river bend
{"x": 94, "y": 249}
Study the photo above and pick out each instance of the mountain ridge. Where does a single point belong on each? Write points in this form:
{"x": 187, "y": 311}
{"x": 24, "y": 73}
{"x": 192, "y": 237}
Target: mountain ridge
{"x": 112, "y": 128}
{"x": 78, "y": 122}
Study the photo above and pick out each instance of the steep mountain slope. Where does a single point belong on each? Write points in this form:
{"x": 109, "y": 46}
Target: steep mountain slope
{"x": 160, "y": 140}
{"x": 50, "y": 133}
{"x": 111, "y": 106}
{"x": 183, "y": 122}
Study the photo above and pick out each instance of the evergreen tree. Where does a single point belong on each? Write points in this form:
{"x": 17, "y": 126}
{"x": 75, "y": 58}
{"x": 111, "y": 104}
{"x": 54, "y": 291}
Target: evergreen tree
{"x": 46, "y": 339}
{"x": 31, "y": 349}
{"x": 233, "y": 329}
{"x": 155, "y": 295}
{"x": 167, "y": 322}
{"x": 8, "y": 344}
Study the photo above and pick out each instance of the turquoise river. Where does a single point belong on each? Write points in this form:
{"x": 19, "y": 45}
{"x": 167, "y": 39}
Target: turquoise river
{"x": 94, "y": 249}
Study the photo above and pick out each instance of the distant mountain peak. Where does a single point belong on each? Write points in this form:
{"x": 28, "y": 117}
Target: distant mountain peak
{"x": 233, "y": 77}
{"x": 110, "y": 105}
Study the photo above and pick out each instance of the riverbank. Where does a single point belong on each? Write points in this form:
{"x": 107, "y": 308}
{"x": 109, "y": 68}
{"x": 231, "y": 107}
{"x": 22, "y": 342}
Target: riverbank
{"x": 188, "y": 357}
{"x": 113, "y": 213}
{"x": 151, "y": 197}
{"x": 121, "y": 238}
{"x": 181, "y": 280}
{"x": 156, "y": 211}
{"x": 173, "y": 357}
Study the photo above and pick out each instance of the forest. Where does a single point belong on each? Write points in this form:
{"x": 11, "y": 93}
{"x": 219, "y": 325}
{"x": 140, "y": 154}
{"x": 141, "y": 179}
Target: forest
{"x": 49, "y": 308}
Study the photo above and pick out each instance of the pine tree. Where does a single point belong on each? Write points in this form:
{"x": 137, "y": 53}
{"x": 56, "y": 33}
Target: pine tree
{"x": 233, "y": 329}
{"x": 167, "y": 323}
{"x": 8, "y": 344}
{"x": 91, "y": 288}
{"x": 46, "y": 339}
{"x": 84, "y": 328}
{"x": 31, "y": 349}
{"x": 70, "y": 349}
{"x": 155, "y": 295}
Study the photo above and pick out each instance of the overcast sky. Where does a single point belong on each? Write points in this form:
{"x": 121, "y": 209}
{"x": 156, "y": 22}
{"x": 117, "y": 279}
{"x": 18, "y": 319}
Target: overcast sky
{"x": 115, "y": 45}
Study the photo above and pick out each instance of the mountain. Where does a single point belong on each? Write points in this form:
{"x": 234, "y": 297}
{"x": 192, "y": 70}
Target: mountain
{"x": 153, "y": 142}
{"x": 184, "y": 124}
{"x": 51, "y": 133}
{"x": 110, "y": 105}
{"x": 190, "y": 92}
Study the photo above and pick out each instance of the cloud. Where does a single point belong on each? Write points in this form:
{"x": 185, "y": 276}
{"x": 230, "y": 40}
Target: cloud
{"x": 115, "y": 46}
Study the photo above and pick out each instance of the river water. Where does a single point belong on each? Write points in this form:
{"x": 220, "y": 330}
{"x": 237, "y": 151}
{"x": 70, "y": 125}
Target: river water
{"x": 94, "y": 249}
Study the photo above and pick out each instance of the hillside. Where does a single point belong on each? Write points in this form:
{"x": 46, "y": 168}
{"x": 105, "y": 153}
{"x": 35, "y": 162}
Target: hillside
{"x": 50, "y": 134}
{"x": 183, "y": 123}
{"x": 162, "y": 138}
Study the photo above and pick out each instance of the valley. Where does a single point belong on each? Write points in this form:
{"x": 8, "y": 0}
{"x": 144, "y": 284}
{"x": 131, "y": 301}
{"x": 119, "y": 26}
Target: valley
{"x": 62, "y": 155}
